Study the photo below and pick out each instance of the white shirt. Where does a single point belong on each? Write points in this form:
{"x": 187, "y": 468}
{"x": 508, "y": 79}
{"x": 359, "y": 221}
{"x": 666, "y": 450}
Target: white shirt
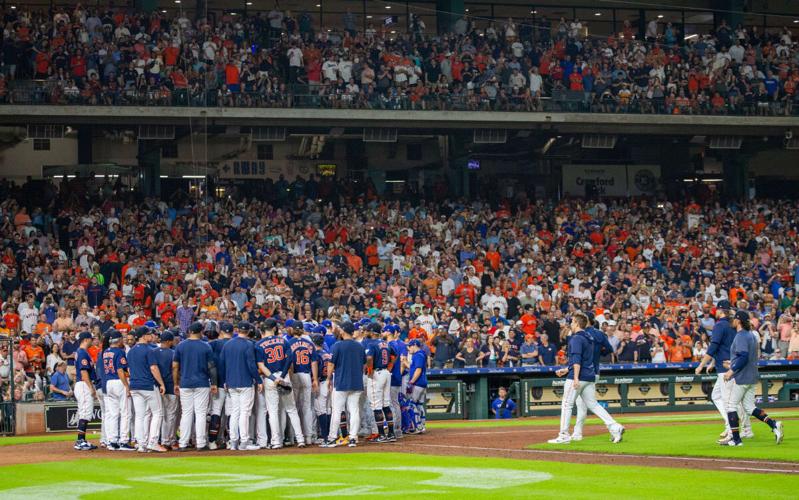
{"x": 295, "y": 57}
{"x": 28, "y": 317}
{"x": 345, "y": 70}
{"x": 330, "y": 70}
{"x": 535, "y": 82}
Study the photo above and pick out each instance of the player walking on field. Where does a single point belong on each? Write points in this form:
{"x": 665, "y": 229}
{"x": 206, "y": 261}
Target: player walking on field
{"x": 195, "y": 376}
{"x": 581, "y": 382}
{"x": 85, "y": 391}
{"x": 144, "y": 376}
{"x": 743, "y": 375}
{"x": 345, "y": 370}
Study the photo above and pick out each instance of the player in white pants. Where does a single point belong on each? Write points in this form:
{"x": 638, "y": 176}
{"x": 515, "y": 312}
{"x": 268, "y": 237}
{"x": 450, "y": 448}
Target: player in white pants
{"x": 169, "y": 422}
{"x": 351, "y": 401}
{"x": 117, "y": 399}
{"x": 148, "y": 418}
{"x": 321, "y": 398}
{"x": 194, "y": 367}
{"x": 241, "y": 401}
{"x": 194, "y": 411}
{"x": 84, "y": 390}
{"x": 278, "y": 405}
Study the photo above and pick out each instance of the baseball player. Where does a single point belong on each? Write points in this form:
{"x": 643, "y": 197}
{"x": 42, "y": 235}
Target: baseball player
{"x": 719, "y": 353}
{"x": 399, "y": 375}
{"x": 274, "y": 364}
{"x": 345, "y": 375}
{"x": 99, "y": 373}
{"x": 581, "y": 381}
{"x": 115, "y": 366}
{"x": 237, "y": 359}
{"x": 195, "y": 376}
{"x": 416, "y": 389}
{"x": 601, "y": 346}
{"x": 218, "y": 339}
{"x": 379, "y": 357}
{"x": 85, "y": 391}
{"x": 322, "y": 396}
{"x": 368, "y": 429}
{"x": 144, "y": 376}
{"x": 742, "y": 373}
{"x": 304, "y": 379}
{"x": 169, "y": 401}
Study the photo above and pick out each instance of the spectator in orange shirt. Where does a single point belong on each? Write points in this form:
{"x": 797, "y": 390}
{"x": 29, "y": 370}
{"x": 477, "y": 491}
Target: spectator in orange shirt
{"x": 676, "y": 352}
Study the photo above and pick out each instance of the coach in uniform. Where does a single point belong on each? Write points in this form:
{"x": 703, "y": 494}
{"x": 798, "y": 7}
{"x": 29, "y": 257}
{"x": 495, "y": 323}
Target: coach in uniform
{"x": 345, "y": 374}
{"x": 195, "y": 376}
{"x": 417, "y": 386}
{"x": 237, "y": 361}
{"x": 144, "y": 376}
{"x": 169, "y": 401}
{"x": 218, "y": 339}
{"x": 85, "y": 391}
{"x": 743, "y": 375}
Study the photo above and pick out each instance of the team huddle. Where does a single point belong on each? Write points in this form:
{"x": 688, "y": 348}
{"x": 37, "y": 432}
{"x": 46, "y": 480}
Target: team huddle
{"x": 242, "y": 387}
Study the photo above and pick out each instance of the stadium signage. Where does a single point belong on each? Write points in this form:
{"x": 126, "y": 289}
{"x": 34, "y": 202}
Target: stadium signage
{"x": 59, "y": 417}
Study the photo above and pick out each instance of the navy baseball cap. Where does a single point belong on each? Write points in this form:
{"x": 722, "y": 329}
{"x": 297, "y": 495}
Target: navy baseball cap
{"x": 723, "y": 304}
{"x": 318, "y": 339}
{"x": 196, "y": 327}
{"x": 114, "y": 335}
{"x": 167, "y": 336}
{"x": 742, "y": 315}
{"x": 83, "y": 336}
{"x": 270, "y": 323}
{"x": 245, "y": 326}
{"x": 226, "y": 326}
{"x": 348, "y": 327}
{"x": 375, "y": 327}
{"x": 141, "y": 332}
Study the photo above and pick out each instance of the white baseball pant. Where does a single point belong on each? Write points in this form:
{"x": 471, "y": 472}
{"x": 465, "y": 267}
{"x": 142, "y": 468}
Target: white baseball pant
{"x": 742, "y": 395}
{"x": 351, "y": 401}
{"x": 83, "y": 395}
{"x": 275, "y": 406}
{"x": 321, "y": 400}
{"x": 241, "y": 400}
{"x": 149, "y": 414}
{"x": 396, "y": 410}
{"x": 720, "y": 396}
{"x": 571, "y": 392}
{"x": 169, "y": 422}
{"x": 582, "y": 413}
{"x": 302, "y": 385}
{"x": 259, "y": 417}
{"x": 218, "y": 402}
{"x": 101, "y": 399}
{"x": 380, "y": 390}
{"x": 368, "y": 424}
{"x": 194, "y": 411}
{"x": 116, "y": 406}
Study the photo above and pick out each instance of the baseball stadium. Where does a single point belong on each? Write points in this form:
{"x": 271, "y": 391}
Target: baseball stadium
{"x": 387, "y": 248}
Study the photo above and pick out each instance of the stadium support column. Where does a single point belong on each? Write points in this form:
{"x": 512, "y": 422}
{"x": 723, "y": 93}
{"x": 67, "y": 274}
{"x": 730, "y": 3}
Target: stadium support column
{"x": 149, "y": 168}
{"x": 449, "y": 11}
{"x": 85, "y": 145}
{"x": 735, "y": 175}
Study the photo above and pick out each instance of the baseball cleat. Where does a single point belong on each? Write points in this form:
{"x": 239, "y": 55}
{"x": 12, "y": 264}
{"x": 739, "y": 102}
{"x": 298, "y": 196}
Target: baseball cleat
{"x": 733, "y": 442}
{"x": 560, "y": 440}
{"x": 341, "y": 441}
{"x": 300, "y": 445}
{"x": 213, "y": 446}
{"x": 126, "y": 447}
{"x": 276, "y": 447}
{"x": 576, "y": 437}
{"x": 328, "y": 444}
{"x": 83, "y": 446}
{"x": 381, "y": 439}
{"x": 724, "y": 434}
{"x": 725, "y": 441}
{"x": 747, "y": 434}
{"x": 352, "y": 443}
{"x": 778, "y": 434}
{"x": 142, "y": 449}
{"x": 183, "y": 449}
{"x": 617, "y": 433}
{"x": 392, "y": 438}
{"x": 249, "y": 447}
{"x": 371, "y": 438}
{"x": 112, "y": 447}
{"x": 157, "y": 448}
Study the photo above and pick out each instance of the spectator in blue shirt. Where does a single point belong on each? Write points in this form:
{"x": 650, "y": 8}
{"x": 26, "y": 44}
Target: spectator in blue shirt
{"x": 503, "y": 406}
{"x": 59, "y": 383}
{"x": 547, "y": 352}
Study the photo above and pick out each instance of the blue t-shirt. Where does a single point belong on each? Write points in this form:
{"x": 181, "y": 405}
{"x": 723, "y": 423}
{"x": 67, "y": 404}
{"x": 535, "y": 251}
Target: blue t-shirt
{"x": 581, "y": 352}
{"x": 348, "y": 357}
{"x": 380, "y": 353}
{"x": 217, "y": 346}
{"x": 70, "y": 348}
{"x": 271, "y": 351}
{"x": 547, "y": 354}
{"x": 113, "y": 360}
{"x": 194, "y": 356}
{"x": 164, "y": 359}
{"x": 506, "y": 412}
{"x": 61, "y": 382}
{"x": 238, "y": 358}
{"x": 400, "y": 349}
{"x": 140, "y": 358}
{"x": 302, "y": 351}
{"x": 419, "y": 360}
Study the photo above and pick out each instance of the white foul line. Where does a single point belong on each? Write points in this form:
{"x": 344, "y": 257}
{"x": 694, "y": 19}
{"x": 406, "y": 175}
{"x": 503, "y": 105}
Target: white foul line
{"x": 617, "y": 455}
{"x": 764, "y": 470}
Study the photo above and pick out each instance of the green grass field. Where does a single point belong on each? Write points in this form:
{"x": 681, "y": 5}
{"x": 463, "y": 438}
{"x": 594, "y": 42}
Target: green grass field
{"x": 697, "y": 440}
{"x": 366, "y": 475}
{"x": 48, "y": 438}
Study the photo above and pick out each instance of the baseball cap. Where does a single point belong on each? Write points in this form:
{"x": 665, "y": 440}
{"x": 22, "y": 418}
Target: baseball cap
{"x": 742, "y": 315}
{"x": 167, "y": 336}
{"x": 83, "y": 336}
{"x": 196, "y": 327}
{"x": 226, "y": 326}
{"x": 270, "y": 323}
{"x": 141, "y": 332}
{"x": 348, "y": 327}
{"x": 246, "y": 326}
{"x": 114, "y": 335}
{"x": 327, "y": 323}
{"x": 151, "y": 324}
{"x": 318, "y": 339}
{"x": 414, "y": 343}
{"x": 289, "y": 323}
{"x": 723, "y": 304}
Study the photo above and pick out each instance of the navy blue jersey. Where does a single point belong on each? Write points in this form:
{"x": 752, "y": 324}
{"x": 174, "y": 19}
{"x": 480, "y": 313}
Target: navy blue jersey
{"x": 348, "y": 358}
{"x": 238, "y": 360}
{"x": 419, "y": 360}
{"x": 322, "y": 357}
{"x": 164, "y": 359}
{"x": 302, "y": 352}
{"x": 84, "y": 363}
{"x": 113, "y": 360}
{"x": 380, "y": 353}
{"x": 194, "y": 357}
{"x": 721, "y": 343}
{"x": 601, "y": 346}
{"x": 581, "y": 352}
{"x": 217, "y": 346}
{"x": 272, "y": 352}
{"x": 400, "y": 349}
{"x": 140, "y": 358}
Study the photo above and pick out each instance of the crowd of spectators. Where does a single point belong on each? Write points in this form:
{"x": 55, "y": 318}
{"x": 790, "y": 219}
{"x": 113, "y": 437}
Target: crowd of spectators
{"x": 483, "y": 284}
{"x": 116, "y": 56}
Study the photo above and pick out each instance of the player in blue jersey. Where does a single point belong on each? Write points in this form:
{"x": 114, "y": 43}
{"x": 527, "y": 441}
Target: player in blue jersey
{"x": 601, "y": 347}
{"x": 416, "y": 389}
{"x": 195, "y": 376}
{"x": 379, "y": 356}
{"x": 85, "y": 391}
{"x": 115, "y": 372}
{"x": 237, "y": 360}
{"x": 304, "y": 379}
{"x": 345, "y": 377}
{"x": 322, "y": 401}
{"x": 274, "y": 364}
{"x": 218, "y": 335}
{"x": 581, "y": 380}
{"x": 169, "y": 401}
{"x": 399, "y": 374}
{"x": 144, "y": 378}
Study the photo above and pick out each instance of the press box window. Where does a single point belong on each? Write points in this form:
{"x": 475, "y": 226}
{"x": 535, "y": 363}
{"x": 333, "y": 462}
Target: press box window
{"x": 265, "y": 152}
{"x": 41, "y": 144}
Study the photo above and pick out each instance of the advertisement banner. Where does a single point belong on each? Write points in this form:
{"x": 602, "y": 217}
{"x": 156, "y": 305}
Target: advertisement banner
{"x": 59, "y": 417}
{"x": 610, "y": 180}
{"x": 642, "y": 180}
{"x": 445, "y": 400}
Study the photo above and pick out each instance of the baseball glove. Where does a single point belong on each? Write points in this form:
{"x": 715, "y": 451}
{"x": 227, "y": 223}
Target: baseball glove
{"x": 283, "y": 389}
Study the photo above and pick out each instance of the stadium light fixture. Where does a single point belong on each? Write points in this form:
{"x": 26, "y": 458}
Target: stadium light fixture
{"x": 164, "y": 176}
{"x": 660, "y": 16}
{"x": 388, "y": 6}
{"x": 194, "y": 177}
{"x": 369, "y": 17}
{"x": 177, "y": 1}
{"x": 249, "y": 3}
{"x": 597, "y": 13}
{"x": 533, "y": 12}
{"x": 796, "y": 21}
